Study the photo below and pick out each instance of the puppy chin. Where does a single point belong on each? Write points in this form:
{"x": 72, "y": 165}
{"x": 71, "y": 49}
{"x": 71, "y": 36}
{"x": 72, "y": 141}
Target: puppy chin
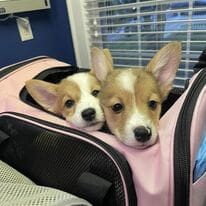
{"x": 94, "y": 127}
{"x": 132, "y": 142}
{"x": 88, "y": 127}
{"x": 147, "y": 144}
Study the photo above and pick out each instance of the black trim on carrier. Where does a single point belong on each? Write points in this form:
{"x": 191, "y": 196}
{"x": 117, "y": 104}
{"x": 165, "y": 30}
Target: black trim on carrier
{"x": 182, "y": 143}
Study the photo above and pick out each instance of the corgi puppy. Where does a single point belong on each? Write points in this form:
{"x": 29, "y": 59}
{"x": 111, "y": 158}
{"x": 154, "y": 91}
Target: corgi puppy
{"x": 132, "y": 98}
{"x": 74, "y": 98}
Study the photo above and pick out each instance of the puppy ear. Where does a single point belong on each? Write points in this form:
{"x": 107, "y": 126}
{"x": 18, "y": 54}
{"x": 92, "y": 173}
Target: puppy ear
{"x": 44, "y": 93}
{"x": 164, "y": 66}
{"x": 109, "y": 56}
{"x": 101, "y": 63}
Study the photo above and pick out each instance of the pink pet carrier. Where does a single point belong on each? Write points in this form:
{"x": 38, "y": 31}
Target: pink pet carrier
{"x": 94, "y": 165}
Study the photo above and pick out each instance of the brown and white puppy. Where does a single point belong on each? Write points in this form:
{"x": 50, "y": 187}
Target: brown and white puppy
{"x": 132, "y": 98}
{"x": 74, "y": 98}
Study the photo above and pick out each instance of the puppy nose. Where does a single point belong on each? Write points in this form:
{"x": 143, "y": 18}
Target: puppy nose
{"x": 89, "y": 114}
{"x": 142, "y": 134}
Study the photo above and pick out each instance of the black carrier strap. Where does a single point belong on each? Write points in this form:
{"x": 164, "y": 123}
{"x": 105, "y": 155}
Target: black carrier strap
{"x": 3, "y": 136}
{"x": 93, "y": 188}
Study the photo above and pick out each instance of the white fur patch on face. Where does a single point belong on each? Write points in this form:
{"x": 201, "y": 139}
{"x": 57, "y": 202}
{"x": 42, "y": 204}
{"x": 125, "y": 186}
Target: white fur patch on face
{"x": 87, "y": 100}
{"x": 126, "y": 79}
{"x": 137, "y": 119}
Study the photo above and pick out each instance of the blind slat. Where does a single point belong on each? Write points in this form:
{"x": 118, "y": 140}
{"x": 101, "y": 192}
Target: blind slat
{"x": 143, "y": 42}
{"x": 149, "y": 50}
{"x": 143, "y": 13}
{"x": 145, "y": 58}
{"x": 129, "y": 5}
{"x": 150, "y": 32}
{"x": 135, "y": 66}
{"x": 149, "y": 23}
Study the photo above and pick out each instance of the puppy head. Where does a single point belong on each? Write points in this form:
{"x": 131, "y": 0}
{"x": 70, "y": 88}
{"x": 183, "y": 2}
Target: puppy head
{"x": 132, "y": 98}
{"x": 74, "y": 98}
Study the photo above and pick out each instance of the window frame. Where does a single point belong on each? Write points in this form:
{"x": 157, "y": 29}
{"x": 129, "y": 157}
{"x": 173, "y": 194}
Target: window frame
{"x": 77, "y": 20}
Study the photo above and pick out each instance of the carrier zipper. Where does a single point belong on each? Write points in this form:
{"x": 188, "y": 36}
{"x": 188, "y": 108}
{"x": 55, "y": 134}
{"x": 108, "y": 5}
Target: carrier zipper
{"x": 7, "y": 70}
{"x": 182, "y": 143}
{"x": 118, "y": 158}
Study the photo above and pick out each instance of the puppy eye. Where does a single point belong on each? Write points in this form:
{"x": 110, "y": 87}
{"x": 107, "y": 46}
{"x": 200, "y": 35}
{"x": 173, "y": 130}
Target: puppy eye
{"x": 95, "y": 93}
{"x": 117, "y": 107}
{"x": 69, "y": 103}
{"x": 152, "y": 104}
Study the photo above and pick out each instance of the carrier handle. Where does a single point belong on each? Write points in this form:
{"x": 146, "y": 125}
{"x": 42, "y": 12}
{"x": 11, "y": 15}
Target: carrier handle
{"x": 3, "y": 136}
{"x": 93, "y": 188}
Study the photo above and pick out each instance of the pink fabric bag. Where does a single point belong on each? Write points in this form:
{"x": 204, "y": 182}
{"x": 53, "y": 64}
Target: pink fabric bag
{"x": 161, "y": 175}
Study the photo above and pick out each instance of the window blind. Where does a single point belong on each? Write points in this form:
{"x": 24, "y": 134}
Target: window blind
{"x": 134, "y": 30}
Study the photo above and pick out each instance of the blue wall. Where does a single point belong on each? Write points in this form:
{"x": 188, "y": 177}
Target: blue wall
{"x": 51, "y": 31}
